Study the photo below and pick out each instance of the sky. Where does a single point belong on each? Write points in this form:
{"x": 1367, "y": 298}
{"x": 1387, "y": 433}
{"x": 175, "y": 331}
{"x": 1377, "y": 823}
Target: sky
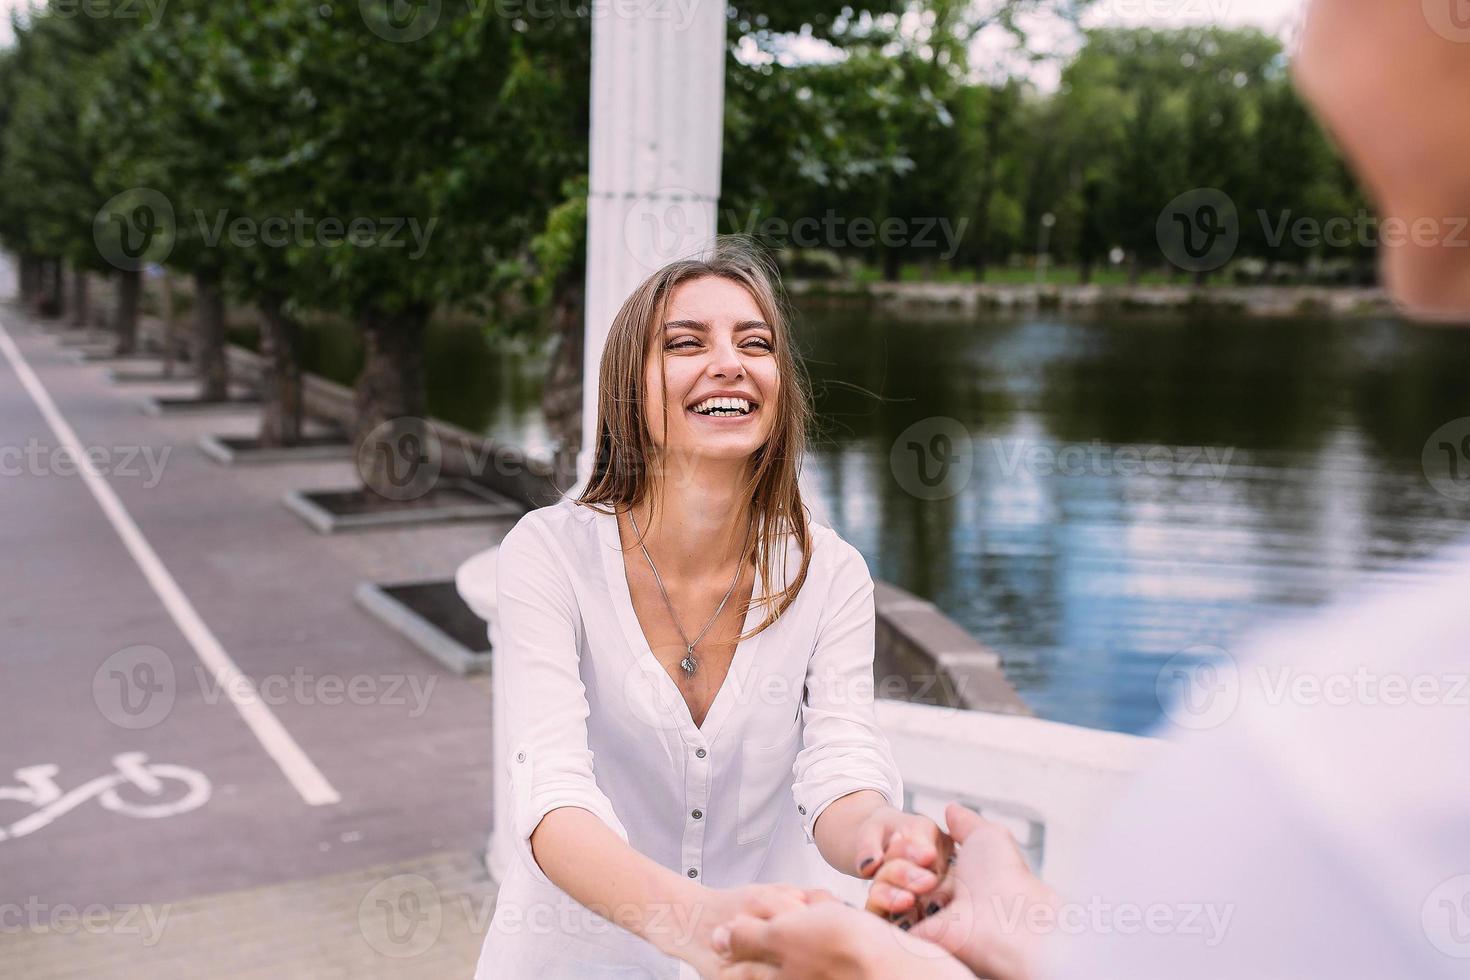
{"x": 1048, "y": 34}
{"x": 1276, "y": 16}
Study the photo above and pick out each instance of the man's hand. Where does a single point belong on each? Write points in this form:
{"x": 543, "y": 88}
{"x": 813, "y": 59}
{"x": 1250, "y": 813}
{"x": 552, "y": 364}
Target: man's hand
{"x": 829, "y": 941}
{"x": 717, "y": 907}
{"x": 989, "y": 877}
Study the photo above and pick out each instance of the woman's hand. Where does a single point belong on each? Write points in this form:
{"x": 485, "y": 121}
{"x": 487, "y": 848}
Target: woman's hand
{"x": 904, "y": 854}
{"x": 829, "y": 941}
{"x": 690, "y": 930}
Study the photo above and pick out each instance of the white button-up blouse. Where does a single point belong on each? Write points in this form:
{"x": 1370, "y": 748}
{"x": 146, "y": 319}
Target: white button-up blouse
{"x": 596, "y": 722}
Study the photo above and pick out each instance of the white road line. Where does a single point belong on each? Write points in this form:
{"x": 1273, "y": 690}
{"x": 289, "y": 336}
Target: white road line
{"x": 298, "y": 768}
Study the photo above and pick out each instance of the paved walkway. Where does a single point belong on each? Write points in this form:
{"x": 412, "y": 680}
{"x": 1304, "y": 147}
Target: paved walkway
{"x": 108, "y": 670}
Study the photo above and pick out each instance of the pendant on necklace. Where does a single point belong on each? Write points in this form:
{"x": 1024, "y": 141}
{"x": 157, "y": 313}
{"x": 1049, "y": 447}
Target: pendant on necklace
{"x": 689, "y": 664}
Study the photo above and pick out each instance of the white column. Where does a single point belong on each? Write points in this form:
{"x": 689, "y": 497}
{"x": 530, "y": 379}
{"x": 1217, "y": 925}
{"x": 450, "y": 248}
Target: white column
{"x": 658, "y": 95}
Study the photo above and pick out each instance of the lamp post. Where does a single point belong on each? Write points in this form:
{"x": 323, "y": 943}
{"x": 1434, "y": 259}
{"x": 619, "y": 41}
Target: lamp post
{"x": 1042, "y": 239}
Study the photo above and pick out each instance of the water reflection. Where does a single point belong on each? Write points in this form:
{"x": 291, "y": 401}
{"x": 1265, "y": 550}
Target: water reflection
{"x": 1138, "y": 485}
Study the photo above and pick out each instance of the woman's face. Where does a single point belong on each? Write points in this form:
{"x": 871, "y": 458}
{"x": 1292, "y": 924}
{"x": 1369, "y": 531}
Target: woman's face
{"x": 714, "y": 343}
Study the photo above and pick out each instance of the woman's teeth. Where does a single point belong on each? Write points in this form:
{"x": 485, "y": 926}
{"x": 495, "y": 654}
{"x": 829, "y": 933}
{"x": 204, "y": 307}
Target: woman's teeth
{"x": 723, "y": 407}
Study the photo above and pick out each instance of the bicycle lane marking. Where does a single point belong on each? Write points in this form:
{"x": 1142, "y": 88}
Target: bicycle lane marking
{"x": 294, "y": 763}
{"x": 42, "y": 791}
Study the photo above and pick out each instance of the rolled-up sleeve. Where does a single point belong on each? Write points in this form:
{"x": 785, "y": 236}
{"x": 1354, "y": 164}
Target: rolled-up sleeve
{"x": 843, "y": 749}
{"x": 538, "y": 663}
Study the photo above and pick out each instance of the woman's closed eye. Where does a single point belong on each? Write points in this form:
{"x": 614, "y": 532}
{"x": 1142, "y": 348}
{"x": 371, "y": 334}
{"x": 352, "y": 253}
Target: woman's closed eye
{"x": 689, "y": 343}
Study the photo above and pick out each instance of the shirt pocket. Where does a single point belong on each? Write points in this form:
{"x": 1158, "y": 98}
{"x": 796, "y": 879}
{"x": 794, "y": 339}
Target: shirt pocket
{"x": 765, "y": 783}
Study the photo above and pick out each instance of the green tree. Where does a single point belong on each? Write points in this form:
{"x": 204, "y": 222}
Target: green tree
{"x": 53, "y": 185}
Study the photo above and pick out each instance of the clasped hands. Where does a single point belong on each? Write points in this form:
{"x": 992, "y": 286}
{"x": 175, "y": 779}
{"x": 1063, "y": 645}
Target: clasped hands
{"x": 943, "y": 890}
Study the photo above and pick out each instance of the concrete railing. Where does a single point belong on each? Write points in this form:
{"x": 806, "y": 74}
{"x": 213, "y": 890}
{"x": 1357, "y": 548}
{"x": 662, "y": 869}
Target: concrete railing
{"x": 1044, "y": 780}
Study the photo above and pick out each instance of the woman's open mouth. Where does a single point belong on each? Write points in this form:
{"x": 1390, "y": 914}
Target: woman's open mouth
{"x": 724, "y": 408}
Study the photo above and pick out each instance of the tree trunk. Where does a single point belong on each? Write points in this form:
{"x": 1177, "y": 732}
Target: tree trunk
{"x": 280, "y": 423}
{"x": 892, "y": 264}
{"x": 125, "y": 316}
{"x": 29, "y": 280}
{"x": 389, "y": 440}
{"x": 170, "y": 325}
{"x": 78, "y": 304}
{"x": 209, "y": 338}
{"x": 1135, "y": 271}
{"x": 561, "y": 398}
{"x": 1084, "y": 271}
{"x": 49, "y": 296}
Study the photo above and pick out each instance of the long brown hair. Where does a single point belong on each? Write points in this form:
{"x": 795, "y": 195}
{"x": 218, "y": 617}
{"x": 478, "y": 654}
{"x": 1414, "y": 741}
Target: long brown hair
{"x": 621, "y": 474}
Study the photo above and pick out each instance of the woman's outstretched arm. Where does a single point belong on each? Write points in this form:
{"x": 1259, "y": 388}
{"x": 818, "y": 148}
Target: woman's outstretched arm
{"x": 589, "y": 862}
{"x": 848, "y": 788}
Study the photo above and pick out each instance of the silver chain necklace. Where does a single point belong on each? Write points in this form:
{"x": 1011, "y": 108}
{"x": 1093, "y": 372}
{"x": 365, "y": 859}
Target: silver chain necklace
{"x": 690, "y": 664}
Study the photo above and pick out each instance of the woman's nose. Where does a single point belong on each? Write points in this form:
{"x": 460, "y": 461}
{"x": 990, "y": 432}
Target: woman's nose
{"x": 725, "y": 363}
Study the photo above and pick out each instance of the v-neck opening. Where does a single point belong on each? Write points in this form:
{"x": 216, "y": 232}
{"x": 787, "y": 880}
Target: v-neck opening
{"x": 615, "y": 567}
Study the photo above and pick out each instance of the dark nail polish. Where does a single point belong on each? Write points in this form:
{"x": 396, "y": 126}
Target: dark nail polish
{"x": 933, "y": 907}
{"x": 905, "y": 926}
{"x": 864, "y": 865}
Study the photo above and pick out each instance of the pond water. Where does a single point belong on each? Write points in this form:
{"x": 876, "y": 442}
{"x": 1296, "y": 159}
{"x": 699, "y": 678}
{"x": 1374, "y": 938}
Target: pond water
{"x": 1091, "y": 494}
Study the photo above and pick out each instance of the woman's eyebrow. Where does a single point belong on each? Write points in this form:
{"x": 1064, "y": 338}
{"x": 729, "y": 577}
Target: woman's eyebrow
{"x": 704, "y": 327}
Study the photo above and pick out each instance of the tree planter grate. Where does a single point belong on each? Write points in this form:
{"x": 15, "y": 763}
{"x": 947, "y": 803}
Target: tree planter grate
{"x": 433, "y": 617}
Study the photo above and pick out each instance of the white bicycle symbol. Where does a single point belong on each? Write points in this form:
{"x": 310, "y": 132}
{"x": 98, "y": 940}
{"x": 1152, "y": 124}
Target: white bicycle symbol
{"x": 153, "y": 780}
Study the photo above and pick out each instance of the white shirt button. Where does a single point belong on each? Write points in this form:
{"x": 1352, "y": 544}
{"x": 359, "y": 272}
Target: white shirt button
{"x": 697, "y": 814}
{"x": 700, "y": 753}
{"x": 694, "y": 872}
